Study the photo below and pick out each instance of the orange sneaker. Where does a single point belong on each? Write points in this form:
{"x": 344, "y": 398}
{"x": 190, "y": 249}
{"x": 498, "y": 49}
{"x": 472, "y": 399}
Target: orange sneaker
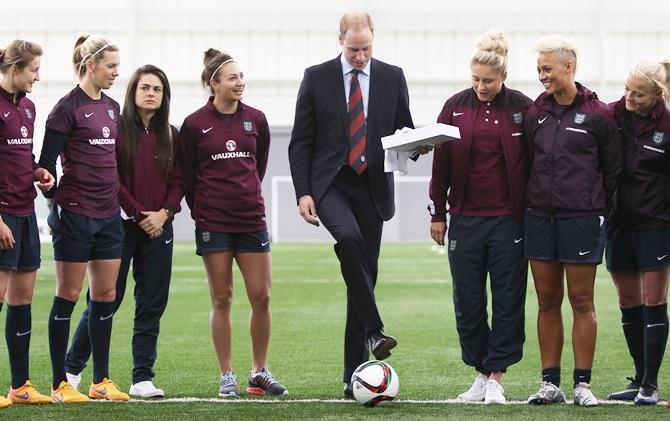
{"x": 106, "y": 389}
{"x": 4, "y": 402}
{"x": 66, "y": 394}
{"x": 27, "y": 394}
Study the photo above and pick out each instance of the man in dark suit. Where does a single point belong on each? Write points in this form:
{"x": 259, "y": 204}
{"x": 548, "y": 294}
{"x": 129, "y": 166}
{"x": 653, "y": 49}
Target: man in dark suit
{"x": 344, "y": 107}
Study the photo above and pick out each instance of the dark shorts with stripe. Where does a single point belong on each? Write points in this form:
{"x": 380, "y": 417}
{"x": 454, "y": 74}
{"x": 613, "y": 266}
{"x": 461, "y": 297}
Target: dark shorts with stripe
{"x": 240, "y": 242}
{"x": 578, "y": 239}
{"x": 79, "y": 238}
{"x": 25, "y": 256}
{"x": 637, "y": 251}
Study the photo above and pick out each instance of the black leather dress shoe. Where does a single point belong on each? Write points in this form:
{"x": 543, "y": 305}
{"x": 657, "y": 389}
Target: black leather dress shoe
{"x": 381, "y": 345}
{"x": 348, "y": 391}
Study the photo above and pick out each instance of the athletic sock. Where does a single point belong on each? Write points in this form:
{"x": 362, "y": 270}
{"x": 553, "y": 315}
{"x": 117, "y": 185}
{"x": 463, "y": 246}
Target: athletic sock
{"x": 17, "y": 334}
{"x": 655, "y": 338}
{"x": 581, "y": 376}
{"x": 552, "y": 375}
{"x": 59, "y": 332}
{"x": 1, "y": 306}
{"x": 100, "y": 332}
{"x": 632, "y": 322}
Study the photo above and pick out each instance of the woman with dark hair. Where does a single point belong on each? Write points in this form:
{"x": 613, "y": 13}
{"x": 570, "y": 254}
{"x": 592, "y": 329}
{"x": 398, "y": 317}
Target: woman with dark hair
{"x": 19, "y": 236}
{"x": 149, "y": 198}
{"x": 87, "y": 233}
{"x": 224, "y": 149}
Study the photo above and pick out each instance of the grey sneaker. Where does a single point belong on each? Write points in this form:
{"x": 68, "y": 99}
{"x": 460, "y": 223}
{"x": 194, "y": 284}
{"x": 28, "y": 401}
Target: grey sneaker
{"x": 228, "y": 385}
{"x": 647, "y": 395}
{"x": 584, "y": 396}
{"x": 263, "y": 383}
{"x": 548, "y": 393}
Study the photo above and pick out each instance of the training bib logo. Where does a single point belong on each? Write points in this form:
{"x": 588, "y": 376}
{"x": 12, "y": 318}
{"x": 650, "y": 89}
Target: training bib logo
{"x": 231, "y": 145}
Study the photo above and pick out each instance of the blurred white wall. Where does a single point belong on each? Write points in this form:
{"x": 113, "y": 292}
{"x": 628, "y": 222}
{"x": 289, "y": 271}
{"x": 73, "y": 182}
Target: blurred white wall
{"x": 274, "y": 41}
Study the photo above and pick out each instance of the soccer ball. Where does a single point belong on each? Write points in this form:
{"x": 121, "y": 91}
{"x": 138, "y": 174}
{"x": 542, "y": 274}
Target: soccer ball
{"x": 374, "y": 382}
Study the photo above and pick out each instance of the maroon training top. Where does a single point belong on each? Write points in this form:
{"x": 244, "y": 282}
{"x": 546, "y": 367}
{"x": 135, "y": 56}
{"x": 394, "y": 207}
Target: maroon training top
{"x": 147, "y": 190}
{"x": 90, "y": 183}
{"x": 223, "y": 158}
{"x": 17, "y": 162}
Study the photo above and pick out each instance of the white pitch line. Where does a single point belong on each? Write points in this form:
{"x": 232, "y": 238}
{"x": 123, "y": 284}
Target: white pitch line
{"x": 335, "y": 401}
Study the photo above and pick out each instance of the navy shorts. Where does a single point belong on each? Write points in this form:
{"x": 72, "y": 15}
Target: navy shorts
{"x": 239, "y": 242}
{"x": 25, "y": 256}
{"x": 79, "y": 238}
{"x": 578, "y": 239}
{"x": 637, "y": 251}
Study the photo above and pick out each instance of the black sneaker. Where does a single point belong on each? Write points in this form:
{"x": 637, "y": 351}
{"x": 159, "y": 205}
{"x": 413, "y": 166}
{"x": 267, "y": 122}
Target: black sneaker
{"x": 263, "y": 383}
{"x": 628, "y": 393}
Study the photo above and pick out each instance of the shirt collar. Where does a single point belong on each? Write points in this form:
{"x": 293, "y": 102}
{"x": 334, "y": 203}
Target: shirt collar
{"x": 347, "y": 67}
{"x": 10, "y": 96}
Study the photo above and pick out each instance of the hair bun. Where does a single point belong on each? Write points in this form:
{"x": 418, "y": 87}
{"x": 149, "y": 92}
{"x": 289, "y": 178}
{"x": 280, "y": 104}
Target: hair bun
{"x": 493, "y": 41}
{"x": 210, "y": 55}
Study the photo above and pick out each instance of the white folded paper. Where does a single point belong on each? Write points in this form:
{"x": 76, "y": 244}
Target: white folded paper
{"x": 407, "y": 140}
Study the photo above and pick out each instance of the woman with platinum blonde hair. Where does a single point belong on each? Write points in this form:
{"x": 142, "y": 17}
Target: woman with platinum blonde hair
{"x": 482, "y": 177}
{"x": 575, "y": 161}
{"x": 638, "y": 239}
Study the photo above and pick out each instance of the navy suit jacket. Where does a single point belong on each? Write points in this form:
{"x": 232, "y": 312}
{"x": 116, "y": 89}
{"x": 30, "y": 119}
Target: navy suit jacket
{"x": 320, "y": 143}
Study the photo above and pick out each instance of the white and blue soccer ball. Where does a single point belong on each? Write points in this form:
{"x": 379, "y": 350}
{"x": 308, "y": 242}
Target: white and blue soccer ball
{"x": 374, "y": 382}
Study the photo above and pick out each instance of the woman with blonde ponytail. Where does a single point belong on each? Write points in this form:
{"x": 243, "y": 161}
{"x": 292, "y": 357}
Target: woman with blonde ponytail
{"x": 483, "y": 179}
{"x": 85, "y": 222}
{"x": 638, "y": 241}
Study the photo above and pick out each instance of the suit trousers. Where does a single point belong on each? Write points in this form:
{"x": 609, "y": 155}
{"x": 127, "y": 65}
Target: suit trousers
{"x": 481, "y": 246}
{"x": 152, "y": 270}
{"x": 348, "y": 212}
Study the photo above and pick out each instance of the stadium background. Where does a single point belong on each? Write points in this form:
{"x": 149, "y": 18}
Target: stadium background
{"x": 431, "y": 40}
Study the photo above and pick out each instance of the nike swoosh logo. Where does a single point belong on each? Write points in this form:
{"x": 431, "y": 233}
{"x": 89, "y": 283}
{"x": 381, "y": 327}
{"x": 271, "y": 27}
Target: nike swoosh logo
{"x": 103, "y": 392}
{"x": 23, "y": 333}
{"x": 662, "y": 257}
{"x": 58, "y": 319}
{"x": 656, "y": 324}
{"x": 87, "y": 115}
{"x": 25, "y": 396}
{"x": 626, "y": 323}
{"x": 204, "y": 131}
{"x": 263, "y": 244}
{"x": 106, "y": 317}
{"x": 7, "y": 114}
{"x": 517, "y": 240}
{"x": 455, "y": 114}
{"x": 168, "y": 241}
{"x": 584, "y": 253}
{"x": 541, "y": 121}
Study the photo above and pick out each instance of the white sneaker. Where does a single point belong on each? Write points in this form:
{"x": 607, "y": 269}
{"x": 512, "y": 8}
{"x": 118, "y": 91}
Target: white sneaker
{"x": 145, "y": 389}
{"x": 477, "y": 391}
{"x": 548, "y": 393}
{"x": 494, "y": 393}
{"x": 584, "y": 396}
{"x": 73, "y": 379}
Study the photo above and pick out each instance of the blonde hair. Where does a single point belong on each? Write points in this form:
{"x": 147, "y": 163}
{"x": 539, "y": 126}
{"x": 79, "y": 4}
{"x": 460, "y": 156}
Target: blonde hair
{"x": 19, "y": 53}
{"x": 89, "y": 48}
{"x": 561, "y": 46}
{"x": 492, "y": 50}
{"x": 357, "y": 20}
{"x": 656, "y": 74}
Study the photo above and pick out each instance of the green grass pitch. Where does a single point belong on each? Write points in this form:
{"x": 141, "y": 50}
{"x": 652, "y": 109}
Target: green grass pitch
{"x": 308, "y": 304}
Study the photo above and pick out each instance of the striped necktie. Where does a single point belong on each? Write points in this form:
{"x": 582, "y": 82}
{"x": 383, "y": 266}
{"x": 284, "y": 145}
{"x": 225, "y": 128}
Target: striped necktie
{"x": 357, "y": 127}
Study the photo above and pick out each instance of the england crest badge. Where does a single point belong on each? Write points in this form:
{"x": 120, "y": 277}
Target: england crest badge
{"x": 518, "y": 118}
{"x": 28, "y": 113}
{"x": 658, "y": 137}
{"x": 248, "y": 126}
{"x": 579, "y": 118}
{"x": 110, "y": 112}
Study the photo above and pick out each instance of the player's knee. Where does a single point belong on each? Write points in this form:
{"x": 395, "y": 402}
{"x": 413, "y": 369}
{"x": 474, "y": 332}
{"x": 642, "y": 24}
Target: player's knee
{"x": 582, "y": 303}
{"x": 260, "y": 302}
{"x": 222, "y": 302}
{"x": 549, "y": 302}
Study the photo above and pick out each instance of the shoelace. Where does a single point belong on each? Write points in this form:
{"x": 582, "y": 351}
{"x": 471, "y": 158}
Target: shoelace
{"x": 264, "y": 377}
{"x": 228, "y": 379}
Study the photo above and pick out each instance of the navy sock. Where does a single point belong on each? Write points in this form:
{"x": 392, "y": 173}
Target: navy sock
{"x": 632, "y": 322}
{"x": 655, "y": 338}
{"x": 581, "y": 376}
{"x": 552, "y": 375}
{"x": 17, "y": 334}
{"x": 59, "y": 332}
{"x": 100, "y": 332}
